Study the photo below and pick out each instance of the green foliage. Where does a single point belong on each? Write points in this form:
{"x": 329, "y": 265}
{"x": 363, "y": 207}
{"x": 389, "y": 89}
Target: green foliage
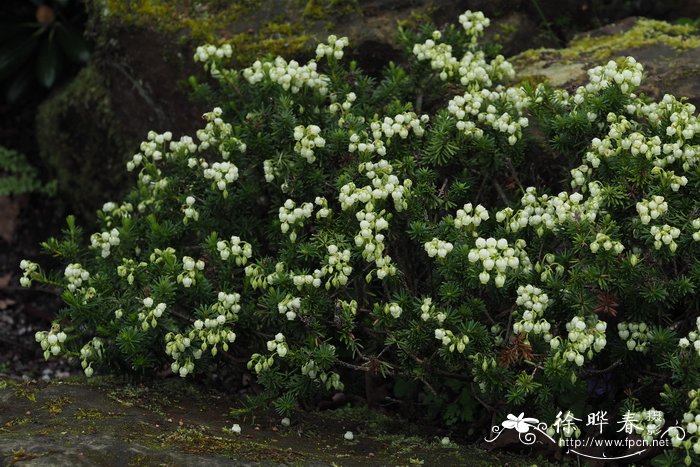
{"x": 513, "y": 248}
{"x": 17, "y": 176}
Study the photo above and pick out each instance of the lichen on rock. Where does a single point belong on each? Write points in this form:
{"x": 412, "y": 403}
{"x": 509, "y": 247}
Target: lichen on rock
{"x": 671, "y": 53}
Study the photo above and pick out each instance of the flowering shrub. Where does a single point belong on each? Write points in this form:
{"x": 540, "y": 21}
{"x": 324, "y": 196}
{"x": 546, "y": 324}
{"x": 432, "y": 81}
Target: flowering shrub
{"x": 483, "y": 246}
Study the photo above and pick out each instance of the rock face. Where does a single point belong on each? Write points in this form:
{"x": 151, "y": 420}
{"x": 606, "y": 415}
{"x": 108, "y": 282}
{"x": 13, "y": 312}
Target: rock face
{"x": 670, "y": 55}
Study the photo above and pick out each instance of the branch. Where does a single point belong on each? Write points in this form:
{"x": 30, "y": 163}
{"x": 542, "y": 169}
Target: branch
{"x": 352, "y": 367}
{"x": 615, "y": 364}
{"x": 487, "y": 406}
{"x": 500, "y": 191}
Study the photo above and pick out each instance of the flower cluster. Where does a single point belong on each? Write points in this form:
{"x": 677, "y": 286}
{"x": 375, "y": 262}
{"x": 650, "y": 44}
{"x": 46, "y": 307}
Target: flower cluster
{"x": 337, "y": 267}
{"x": 335, "y": 107}
{"x": 470, "y": 217}
{"x": 400, "y": 124}
{"x": 279, "y": 344}
{"x": 693, "y": 338}
{"x": 437, "y": 247}
{"x": 228, "y": 305}
{"x": 29, "y": 269}
{"x": 219, "y": 134}
{"x": 191, "y": 271}
{"x": 204, "y": 53}
{"x": 289, "y": 306}
{"x": 75, "y": 275}
{"x": 204, "y": 334}
{"x": 392, "y": 309}
{"x": 290, "y": 75}
{"x": 428, "y": 312}
{"x": 547, "y": 213}
{"x": 104, "y": 241}
{"x": 687, "y": 436}
{"x": 331, "y": 381}
{"x": 324, "y": 211}
{"x": 334, "y": 47}
{"x": 367, "y": 146}
{"x": 189, "y": 210}
{"x": 128, "y": 268}
{"x": 474, "y": 24}
{"x": 627, "y": 75}
{"x": 582, "y": 339}
{"x": 480, "y": 108}
{"x": 149, "y": 317}
{"x": 451, "y": 341}
{"x": 665, "y": 235}
{"x": 51, "y": 341}
{"x": 384, "y": 184}
{"x": 636, "y": 335}
{"x": 111, "y": 211}
{"x": 654, "y": 208}
{"x": 498, "y": 255}
{"x": 151, "y": 149}
{"x": 608, "y": 244}
{"x": 91, "y": 352}
{"x": 696, "y": 225}
{"x": 270, "y": 171}
{"x": 473, "y": 69}
{"x": 292, "y": 217}
{"x": 534, "y": 302}
{"x": 221, "y": 174}
{"x": 370, "y": 238}
{"x": 669, "y": 178}
{"x": 212, "y": 56}
{"x": 240, "y": 250}
{"x": 307, "y": 139}
{"x": 439, "y": 55}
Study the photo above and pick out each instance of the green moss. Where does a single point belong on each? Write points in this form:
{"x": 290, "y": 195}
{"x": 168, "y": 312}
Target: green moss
{"x": 15, "y": 422}
{"x": 645, "y": 32}
{"x": 26, "y": 391}
{"x": 194, "y": 23}
{"x": 21, "y": 455}
{"x": 324, "y": 9}
{"x": 419, "y": 16}
{"x": 285, "y": 39}
{"x": 206, "y": 21}
{"x": 196, "y": 440}
{"x": 56, "y": 405}
{"x": 93, "y": 414}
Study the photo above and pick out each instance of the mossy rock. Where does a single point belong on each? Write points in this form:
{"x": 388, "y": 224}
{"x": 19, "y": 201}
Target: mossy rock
{"x": 81, "y": 142}
{"x": 669, "y": 53}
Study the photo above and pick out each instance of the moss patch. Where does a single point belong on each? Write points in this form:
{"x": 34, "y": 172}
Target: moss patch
{"x": 644, "y": 33}
{"x": 56, "y": 405}
{"x": 206, "y": 21}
